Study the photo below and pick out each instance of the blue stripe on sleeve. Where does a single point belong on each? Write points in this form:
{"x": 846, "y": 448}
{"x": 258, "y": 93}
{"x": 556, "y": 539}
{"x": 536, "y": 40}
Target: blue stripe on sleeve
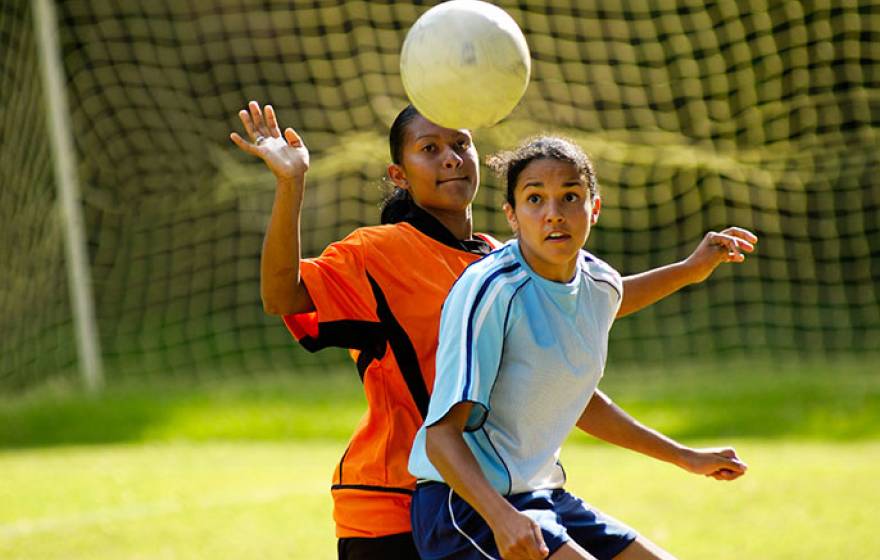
{"x": 470, "y": 327}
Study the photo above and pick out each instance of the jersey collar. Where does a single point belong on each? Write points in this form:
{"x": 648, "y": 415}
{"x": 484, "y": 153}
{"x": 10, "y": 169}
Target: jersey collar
{"x": 420, "y": 219}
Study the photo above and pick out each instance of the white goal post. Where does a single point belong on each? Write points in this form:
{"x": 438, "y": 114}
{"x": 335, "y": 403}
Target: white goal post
{"x": 64, "y": 159}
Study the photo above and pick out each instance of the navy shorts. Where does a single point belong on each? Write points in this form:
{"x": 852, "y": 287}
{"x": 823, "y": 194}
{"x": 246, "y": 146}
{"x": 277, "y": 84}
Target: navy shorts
{"x": 445, "y": 526}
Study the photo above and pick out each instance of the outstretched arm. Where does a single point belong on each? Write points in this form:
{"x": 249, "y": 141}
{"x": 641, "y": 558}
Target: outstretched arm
{"x": 516, "y": 534}
{"x": 607, "y": 421}
{"x": 646, "y": 288}
{"x": 281, "y": 287}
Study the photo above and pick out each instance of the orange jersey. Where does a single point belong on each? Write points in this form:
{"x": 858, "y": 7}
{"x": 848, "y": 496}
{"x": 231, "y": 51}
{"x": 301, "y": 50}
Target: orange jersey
{"x": 379, "y": 293}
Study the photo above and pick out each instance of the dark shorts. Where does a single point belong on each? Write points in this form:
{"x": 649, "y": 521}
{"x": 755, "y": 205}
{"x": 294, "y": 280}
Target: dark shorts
{"x": 445, "y": 526}
{"x": 398, "y": 546}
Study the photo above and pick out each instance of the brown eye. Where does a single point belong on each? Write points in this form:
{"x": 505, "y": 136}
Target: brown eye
{"x": 533, "y": 199}
{"x": 572, "y": 197}
{"x": 430, "y": 148}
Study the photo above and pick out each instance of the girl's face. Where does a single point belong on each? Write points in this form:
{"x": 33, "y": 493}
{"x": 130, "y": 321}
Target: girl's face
{"x": 553, "y": 215}
{"x": 440, "y": 166}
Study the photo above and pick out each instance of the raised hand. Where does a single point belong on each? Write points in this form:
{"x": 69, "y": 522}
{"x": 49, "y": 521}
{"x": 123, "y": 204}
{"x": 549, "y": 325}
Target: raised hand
{"x": 716, "y": 248}
{"x": 285, "y": 155}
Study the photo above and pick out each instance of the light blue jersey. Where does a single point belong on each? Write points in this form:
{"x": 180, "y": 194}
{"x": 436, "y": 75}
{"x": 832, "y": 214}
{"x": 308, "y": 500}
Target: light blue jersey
{"x": 528, "y": 353}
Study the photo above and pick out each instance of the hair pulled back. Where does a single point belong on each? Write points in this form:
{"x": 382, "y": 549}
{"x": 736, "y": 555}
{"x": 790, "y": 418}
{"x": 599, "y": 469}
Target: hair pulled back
{"x": 509, "y": 164}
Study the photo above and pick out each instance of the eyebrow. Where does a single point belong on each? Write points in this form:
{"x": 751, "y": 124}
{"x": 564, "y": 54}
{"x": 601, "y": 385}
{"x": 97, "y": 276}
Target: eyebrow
{"x": 539, "y": 183}
{"x": 458, "y": 135}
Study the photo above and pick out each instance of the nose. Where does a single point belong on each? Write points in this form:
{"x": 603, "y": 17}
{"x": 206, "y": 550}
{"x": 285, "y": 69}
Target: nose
{"x": 452, "y": 160}
{"x": 554, "y": 213}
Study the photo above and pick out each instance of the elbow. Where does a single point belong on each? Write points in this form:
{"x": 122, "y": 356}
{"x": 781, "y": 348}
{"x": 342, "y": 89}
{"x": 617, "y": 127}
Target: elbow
{"x": 270, "y": 308}
{"x": 270, "y": 303}
{"x": 280, "y": 299}
{"x": 433, "y": 448}
{"x": 277, "y": 307}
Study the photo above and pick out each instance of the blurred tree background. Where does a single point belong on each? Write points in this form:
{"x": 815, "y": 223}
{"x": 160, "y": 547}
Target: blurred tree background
{"x": 698, "y": 115}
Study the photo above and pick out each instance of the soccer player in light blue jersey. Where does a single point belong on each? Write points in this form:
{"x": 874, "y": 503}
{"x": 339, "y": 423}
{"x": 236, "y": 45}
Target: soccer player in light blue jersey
{"x": 523, "y": 343}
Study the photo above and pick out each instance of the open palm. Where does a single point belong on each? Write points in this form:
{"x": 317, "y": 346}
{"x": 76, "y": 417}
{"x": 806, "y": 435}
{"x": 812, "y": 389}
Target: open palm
{"x": 284, "y": 154}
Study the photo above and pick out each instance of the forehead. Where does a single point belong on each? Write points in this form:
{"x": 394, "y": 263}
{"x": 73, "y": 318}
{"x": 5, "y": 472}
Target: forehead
{"x": 420, "y": 127}
{"x": 549, "y": 171}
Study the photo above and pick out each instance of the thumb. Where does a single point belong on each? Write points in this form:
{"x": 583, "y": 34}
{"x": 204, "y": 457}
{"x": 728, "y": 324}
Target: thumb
{"x": 293, "y": 139}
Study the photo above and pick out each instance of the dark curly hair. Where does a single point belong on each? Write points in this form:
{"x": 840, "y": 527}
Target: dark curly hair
{"x": 509, "y": 164}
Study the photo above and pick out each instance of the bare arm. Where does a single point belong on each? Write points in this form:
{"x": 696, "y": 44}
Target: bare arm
{"x": 607, "y": 421}
{"x": 281, "y": 286}
{"x": 517, "y": 535}
{"x": 646, "y": 288}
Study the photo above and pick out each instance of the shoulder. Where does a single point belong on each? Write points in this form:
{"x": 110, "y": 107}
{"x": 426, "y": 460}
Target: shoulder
{"x": 386, "y": 241}
{"x": 498, "y": 272}
{"x": 380, "y": 234}
{"x": 492, "y": 241}
{"x": 601, "y": 272}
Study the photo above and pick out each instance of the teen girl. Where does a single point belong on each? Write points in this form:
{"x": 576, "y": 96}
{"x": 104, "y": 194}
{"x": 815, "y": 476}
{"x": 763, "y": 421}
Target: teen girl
{"x": 523, "y": 341}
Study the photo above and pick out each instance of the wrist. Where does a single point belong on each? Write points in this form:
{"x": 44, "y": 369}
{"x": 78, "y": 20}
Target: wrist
{"x": 290, "y": 181}
{"x": 497, "y": 512}
{"x": 684, "y": 458}
{"x": 689, "y": 272}
{"x": 289, "y": 195}
{"x": 291, "y": 189}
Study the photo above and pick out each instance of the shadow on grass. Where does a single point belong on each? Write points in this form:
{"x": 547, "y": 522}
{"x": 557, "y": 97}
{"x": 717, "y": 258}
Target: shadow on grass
{"x": 301, "y": 406}
{"x": 823, "y": 402}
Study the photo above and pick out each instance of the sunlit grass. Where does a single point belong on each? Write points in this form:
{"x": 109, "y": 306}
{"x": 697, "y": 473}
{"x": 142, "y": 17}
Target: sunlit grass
{"x": 271, "y": 500}
{"x": 240, "y": 467}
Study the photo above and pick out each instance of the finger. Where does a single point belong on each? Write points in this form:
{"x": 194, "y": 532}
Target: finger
{"x": 735, "y": 465}
{"x": 244, "y": 146}
{"x": 720, "y": 474}
{"x": 726, "y": 474}
{"x": 257, "y": 116}
{"x": 731, "y": 247}
{"x": 727, "y": 248}
{"x": 248, "y": 124}
{"x": 731, "y": 241}
{"x": 539, "y": 540}
{"x": 728, "y": 452}
{"x": 741, "y": 233}
{"x": 272, "y": 122}
{"x": 293, "y": 139}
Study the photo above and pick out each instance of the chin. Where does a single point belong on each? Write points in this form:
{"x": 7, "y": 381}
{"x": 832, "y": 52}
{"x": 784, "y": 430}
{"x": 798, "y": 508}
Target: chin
{"x": 460, "y": 199}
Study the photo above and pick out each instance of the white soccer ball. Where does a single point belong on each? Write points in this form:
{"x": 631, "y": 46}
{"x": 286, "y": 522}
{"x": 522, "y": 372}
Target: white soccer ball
{"x": 465, "y": 64}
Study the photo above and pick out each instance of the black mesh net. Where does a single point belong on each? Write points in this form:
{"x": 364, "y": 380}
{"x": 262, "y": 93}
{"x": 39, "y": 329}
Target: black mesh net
{"x": 36, "y": 321}
{"x": 698, "y": 115}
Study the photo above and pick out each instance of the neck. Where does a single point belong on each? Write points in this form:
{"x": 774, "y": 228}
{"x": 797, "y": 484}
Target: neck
{"x": 557, "y": 272}
{"x": 458, "y": 222}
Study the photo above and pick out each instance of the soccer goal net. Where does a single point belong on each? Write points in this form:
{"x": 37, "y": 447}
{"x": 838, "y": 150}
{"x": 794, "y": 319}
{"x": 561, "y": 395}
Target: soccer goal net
{"x": 697, "y": 115}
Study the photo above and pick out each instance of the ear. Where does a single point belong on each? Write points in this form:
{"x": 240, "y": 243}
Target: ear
{"x": 397, "y": 176}
{"x": 511, "y": 217}
{"x": 594, "y": 214}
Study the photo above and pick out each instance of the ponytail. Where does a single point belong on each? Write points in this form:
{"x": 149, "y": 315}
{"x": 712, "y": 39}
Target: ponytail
{"x": 398, "y": 203}
{"x": 396, "y": 206}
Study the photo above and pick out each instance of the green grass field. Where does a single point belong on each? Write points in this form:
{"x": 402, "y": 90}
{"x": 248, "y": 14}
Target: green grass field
{"x": 241, "y": 468}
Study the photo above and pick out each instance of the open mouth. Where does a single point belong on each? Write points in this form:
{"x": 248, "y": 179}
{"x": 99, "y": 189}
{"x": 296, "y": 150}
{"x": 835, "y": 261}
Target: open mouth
{"x": 557, "y": 236}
